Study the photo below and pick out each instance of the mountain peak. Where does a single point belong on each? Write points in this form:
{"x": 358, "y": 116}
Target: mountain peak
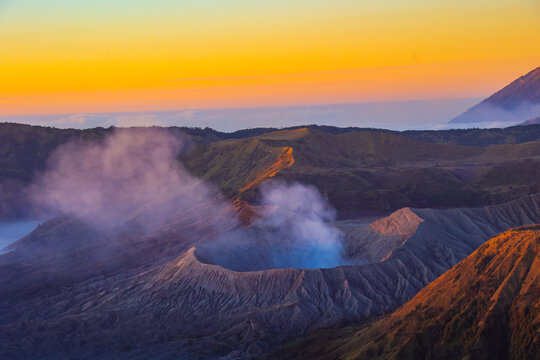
{"x": 518, "y": 101}
{"x": 526, "y": 88}
{"x": 402, "y": 222}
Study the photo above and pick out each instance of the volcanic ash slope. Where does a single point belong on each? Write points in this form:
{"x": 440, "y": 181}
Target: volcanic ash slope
{"x": 189, "y": 306}
{"x": 485, "y": 307}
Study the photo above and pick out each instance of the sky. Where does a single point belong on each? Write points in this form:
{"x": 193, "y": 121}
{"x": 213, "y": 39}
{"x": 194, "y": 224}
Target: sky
{"x": 125, "y": 56}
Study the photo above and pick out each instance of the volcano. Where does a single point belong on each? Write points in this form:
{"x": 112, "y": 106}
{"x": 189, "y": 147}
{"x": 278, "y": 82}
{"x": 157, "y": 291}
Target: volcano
{"x": 196, "y": 303}
{"x": 234, "y": 270}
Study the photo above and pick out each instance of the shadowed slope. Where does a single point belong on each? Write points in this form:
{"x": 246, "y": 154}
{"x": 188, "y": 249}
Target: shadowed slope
{"x": 185, "y": 305}
{"x": 367, "y": 172}
{"x": 485, "y": 307}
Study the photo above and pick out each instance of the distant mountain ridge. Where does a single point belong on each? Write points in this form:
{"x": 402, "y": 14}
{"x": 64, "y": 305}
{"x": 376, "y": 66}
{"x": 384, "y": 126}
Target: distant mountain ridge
{"x": 535, "y": 121}
{"x": 518, "y": 101}
{"x": 383, "y": 168}
{"x": 526, "y": 88}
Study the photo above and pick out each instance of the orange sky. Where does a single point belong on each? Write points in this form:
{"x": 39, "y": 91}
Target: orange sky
{"x": 119, "y": 55}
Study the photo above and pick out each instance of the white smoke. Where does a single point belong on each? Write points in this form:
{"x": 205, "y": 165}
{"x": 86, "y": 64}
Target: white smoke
{"x": 132, "y": 177}
{"x": 296, "y": 232}
{"x": 300, "y": 227}
{"x": 132, "y": 180}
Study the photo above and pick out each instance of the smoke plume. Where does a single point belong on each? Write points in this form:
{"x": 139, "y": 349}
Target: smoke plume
{"x": 132, "y": 177}
{"x": 299, "y": 227}
{"x": 132, "y": 180}
{"x": 295, "y": 233}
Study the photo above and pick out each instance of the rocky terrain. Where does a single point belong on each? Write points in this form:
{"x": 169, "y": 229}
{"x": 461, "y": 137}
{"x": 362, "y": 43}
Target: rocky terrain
{"x": 366, "y": 173}
{"x": 362, "y": 171}
{"x": 485, "y": 307}
{"x": 192, "y": 270}
{"x": 157, "y": 304}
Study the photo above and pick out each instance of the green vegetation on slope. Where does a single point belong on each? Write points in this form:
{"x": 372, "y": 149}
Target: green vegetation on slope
{"x": 360, "y": 171}
{"x": 382, "y": 172}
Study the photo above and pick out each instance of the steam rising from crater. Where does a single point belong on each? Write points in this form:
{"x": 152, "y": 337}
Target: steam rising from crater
{"x": 300, "y": 229}
{"x": 132, "y": 181}
{"x": 132, "y": 177}
{"x": 296, "y": 233}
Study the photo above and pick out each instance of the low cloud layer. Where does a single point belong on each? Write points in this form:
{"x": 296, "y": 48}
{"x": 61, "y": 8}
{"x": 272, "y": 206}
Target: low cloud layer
{"x": 397, "y": 115}
{"x": 489, "y": 115}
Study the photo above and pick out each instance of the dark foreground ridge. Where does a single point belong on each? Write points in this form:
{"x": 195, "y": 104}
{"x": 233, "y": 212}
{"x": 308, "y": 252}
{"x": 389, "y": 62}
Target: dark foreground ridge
{"x": 485, "y": 307}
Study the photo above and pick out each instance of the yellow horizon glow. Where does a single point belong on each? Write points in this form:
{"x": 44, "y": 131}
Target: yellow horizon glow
{"x": 179, "y": 58}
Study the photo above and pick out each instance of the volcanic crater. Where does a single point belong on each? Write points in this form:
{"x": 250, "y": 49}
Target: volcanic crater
{"x": 256, "y": 249}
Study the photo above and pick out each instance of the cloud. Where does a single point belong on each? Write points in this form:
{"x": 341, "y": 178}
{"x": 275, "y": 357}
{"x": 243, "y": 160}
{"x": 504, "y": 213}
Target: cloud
{"x": 136, "y": 120}
{"x": 399, "y": 115}
{"x": 78, "y": 120}
{"x": 489, "y": 115}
